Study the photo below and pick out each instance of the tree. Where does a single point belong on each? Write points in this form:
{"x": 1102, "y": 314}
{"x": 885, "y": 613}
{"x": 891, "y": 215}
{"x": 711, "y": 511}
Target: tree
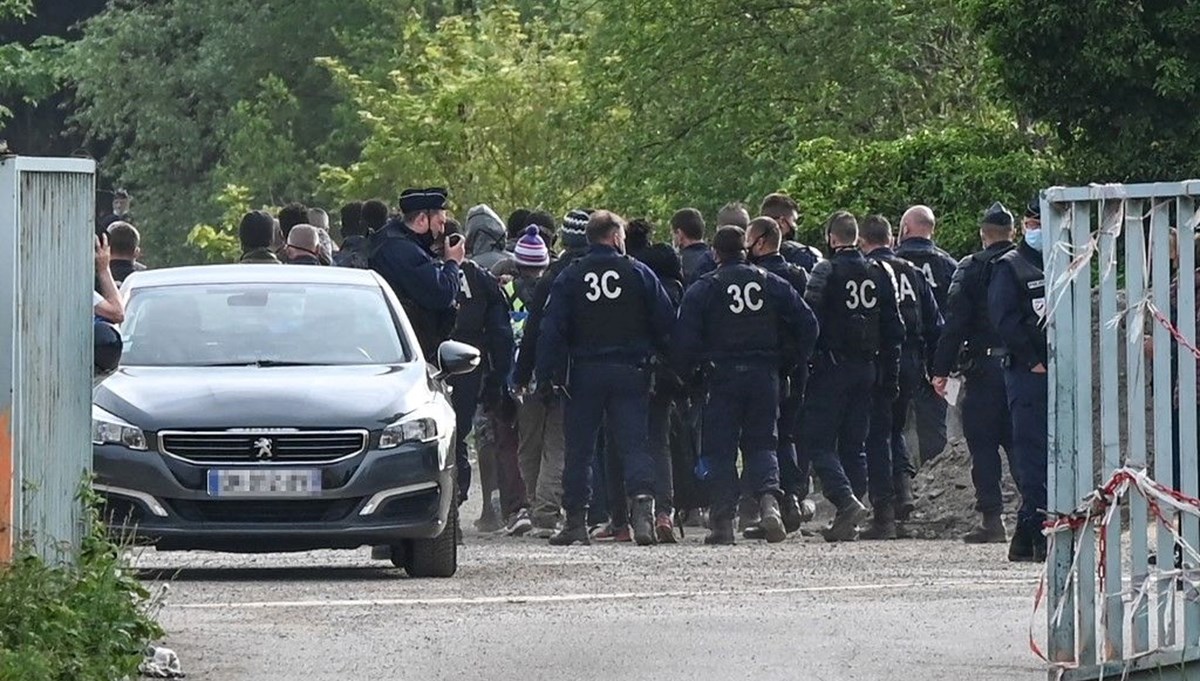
{"x": 484, "y": 104}
{"x": 1118, "y": 81}
{"x": 957, "y": 170}
{"x": 718, "y": 93}
{"x": 197, "y": 94}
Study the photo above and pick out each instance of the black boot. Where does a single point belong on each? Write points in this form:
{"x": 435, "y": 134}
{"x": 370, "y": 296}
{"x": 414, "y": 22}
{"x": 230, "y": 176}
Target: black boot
{"x": 574, "y": 531}
{"x": 771, "y": 520}
{"x": 641, "y": 519}
{"x": 1021, "y": 550}
{"x": 904, "y": 497}
{"x": 720, "y": 527}
{"x": 793, "y": 517}
{"x": 748, "y": 518}
{"x": 1039, "y": 547}
{"x": 883, "y": 524}
{"x": 845, "y": 523}
{"x": 990, "y": 531}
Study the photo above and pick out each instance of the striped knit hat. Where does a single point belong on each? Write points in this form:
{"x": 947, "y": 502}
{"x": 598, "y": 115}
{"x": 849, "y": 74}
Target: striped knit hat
{"x": 531, "y": 251}
{"x": 574, "y": 229}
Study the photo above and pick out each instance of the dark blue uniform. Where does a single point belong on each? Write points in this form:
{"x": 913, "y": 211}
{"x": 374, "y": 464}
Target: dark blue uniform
{"x": 1017, "y": 303}
{"x": 697, "y": 261}
{"x": 887, "y": 453}
{"x": 743, "y": 324}
{"x": 426, "y": 287}
{"x": 792, "y": 385}
{"x": 482, "y": 321}
{"x": 928, "y": 407}
{"x": 607, "y": 314}
{"x": 970, "y": 343}
{"x": 798, "y": 254}
{"x": 858, "y": 349}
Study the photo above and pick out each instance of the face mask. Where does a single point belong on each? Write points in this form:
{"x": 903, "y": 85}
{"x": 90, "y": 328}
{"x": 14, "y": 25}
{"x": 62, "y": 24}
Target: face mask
{"x": 1034, "y": 239}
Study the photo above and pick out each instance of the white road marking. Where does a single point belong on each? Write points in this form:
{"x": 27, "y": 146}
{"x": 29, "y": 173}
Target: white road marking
{"x": 576, "y": 598}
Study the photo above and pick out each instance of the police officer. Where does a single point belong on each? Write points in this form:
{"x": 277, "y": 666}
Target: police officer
{"x": 970, "y": 344}
{"x": 858, "y": 353}
{"x": 402, "y": 253}
{"x": 916, "y": 246}
{"x": 763, "y": 239}
{"x": 888, "y": 467}
{"x": 481, "y": 320}
{"x": 745, "y": 324}
{"x": 1017, "y": 303}
{"x": 786, "y": 212}
{"x": 607, "y": 315}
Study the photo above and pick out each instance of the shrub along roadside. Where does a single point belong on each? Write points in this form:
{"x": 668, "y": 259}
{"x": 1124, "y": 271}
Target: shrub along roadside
{"x": 84, "y": 622}
{"x": 958, "y": 170}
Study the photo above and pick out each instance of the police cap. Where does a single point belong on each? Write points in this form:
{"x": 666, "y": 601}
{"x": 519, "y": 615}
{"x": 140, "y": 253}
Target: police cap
{"x": 1033, "y": 210}
{"x": 998, "y": 215}
{"x": 416, "y": 200}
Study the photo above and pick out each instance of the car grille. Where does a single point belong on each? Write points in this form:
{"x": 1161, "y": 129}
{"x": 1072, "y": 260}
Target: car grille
{"x": 246, "y": 448}
{"x": 256, "y": 511}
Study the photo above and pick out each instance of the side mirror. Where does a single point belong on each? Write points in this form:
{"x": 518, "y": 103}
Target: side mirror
{"x": 456, "y": 358}
{"x": 107, "y": 348}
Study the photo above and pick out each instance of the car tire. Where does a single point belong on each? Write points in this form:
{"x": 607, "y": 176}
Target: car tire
{"x": 437, "y": 557}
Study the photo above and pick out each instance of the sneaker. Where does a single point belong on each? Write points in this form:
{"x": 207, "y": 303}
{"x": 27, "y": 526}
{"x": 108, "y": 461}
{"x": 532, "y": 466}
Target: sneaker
{"x": 664, "y": 529}
{"x": 574, "y": 532}
{"x": 609, "y": 532}
{"x": 519, "y": 524}
{"x": 542, "y": 532}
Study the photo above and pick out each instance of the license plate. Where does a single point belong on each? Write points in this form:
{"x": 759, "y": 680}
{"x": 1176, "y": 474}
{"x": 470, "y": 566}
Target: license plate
{"x": 256, "y": 482}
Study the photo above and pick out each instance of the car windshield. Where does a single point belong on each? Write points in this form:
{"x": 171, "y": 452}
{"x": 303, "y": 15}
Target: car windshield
{"x": 260, "y": 324}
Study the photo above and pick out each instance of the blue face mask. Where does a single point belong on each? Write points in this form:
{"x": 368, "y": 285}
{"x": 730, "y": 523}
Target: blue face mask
{"x": 1034, "y": 239}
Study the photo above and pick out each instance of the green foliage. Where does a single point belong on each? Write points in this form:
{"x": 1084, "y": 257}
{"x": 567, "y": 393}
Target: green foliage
{"x": 484, "y": 104}
{"x": 27, "y": 73}
{"x": 219, "y": 242}
{"x": 84, "y": 622}
{"x": 718, "y": 93}
{"x": 197, "y": 94}
{"x": 1119, "y": 81}
{"x": 957, "y": 170}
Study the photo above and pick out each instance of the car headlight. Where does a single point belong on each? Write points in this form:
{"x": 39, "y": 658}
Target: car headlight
{"x": 419, "y": 426}
{"x": 110, "y": 429}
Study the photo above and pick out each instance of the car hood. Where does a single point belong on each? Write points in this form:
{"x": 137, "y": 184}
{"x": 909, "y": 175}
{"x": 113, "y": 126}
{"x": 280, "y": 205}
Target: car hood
{"x": 156, "y": 398}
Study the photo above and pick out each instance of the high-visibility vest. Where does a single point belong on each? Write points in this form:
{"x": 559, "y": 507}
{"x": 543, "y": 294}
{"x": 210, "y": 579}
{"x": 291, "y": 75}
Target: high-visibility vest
{"x": 517, "y": 314}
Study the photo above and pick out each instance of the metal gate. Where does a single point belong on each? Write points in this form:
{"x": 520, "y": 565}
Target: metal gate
{"x": 46, "y": 275}
{"x": 1120, "y": 271}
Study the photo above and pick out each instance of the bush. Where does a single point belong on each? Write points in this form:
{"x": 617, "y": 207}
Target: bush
{"x": 958, "y": 171}
{"x": 84, "y": 622}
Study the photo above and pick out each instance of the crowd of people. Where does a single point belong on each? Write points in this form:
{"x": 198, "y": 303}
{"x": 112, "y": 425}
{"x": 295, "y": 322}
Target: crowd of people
{"x": 623, "y": 376}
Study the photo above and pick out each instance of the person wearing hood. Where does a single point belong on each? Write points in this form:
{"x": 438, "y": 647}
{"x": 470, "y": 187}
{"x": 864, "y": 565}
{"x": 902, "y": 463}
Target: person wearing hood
{"x": 303, "y": 246}
{"x": 1017, "y": 307}
{"x": 486, "y": 237}
{"x": 402, "y": 253}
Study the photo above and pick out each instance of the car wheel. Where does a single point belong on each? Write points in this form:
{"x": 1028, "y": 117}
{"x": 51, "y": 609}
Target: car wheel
{"x": 437, "y": 557}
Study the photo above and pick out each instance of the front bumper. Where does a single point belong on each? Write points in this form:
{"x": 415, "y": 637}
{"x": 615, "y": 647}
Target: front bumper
{"x": 380, "y": 497}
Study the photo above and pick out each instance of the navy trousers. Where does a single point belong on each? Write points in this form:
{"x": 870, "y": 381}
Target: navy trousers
{"x": 464, "y": 398}
{"x": 741, "y": 411}
{"x": 1027, "y": 397}
{"x": 987, "y": 426}
{"x": 620, "y": 393}
{"x": 835, "y": 424}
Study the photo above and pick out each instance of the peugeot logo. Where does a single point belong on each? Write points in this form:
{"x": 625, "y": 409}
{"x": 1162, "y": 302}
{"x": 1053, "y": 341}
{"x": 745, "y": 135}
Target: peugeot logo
{"x": 264, "y": 449}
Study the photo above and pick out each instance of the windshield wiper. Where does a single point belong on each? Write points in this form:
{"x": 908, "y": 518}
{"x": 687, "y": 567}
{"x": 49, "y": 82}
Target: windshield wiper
{"x": 263, "y": 363}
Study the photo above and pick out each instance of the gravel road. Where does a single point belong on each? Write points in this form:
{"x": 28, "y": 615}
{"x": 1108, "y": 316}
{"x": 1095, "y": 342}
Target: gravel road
{"x": 520, "y": 609}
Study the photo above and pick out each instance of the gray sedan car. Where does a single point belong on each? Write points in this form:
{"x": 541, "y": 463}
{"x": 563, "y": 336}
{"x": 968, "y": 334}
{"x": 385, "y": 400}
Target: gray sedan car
{"x": 278, "y": 408}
